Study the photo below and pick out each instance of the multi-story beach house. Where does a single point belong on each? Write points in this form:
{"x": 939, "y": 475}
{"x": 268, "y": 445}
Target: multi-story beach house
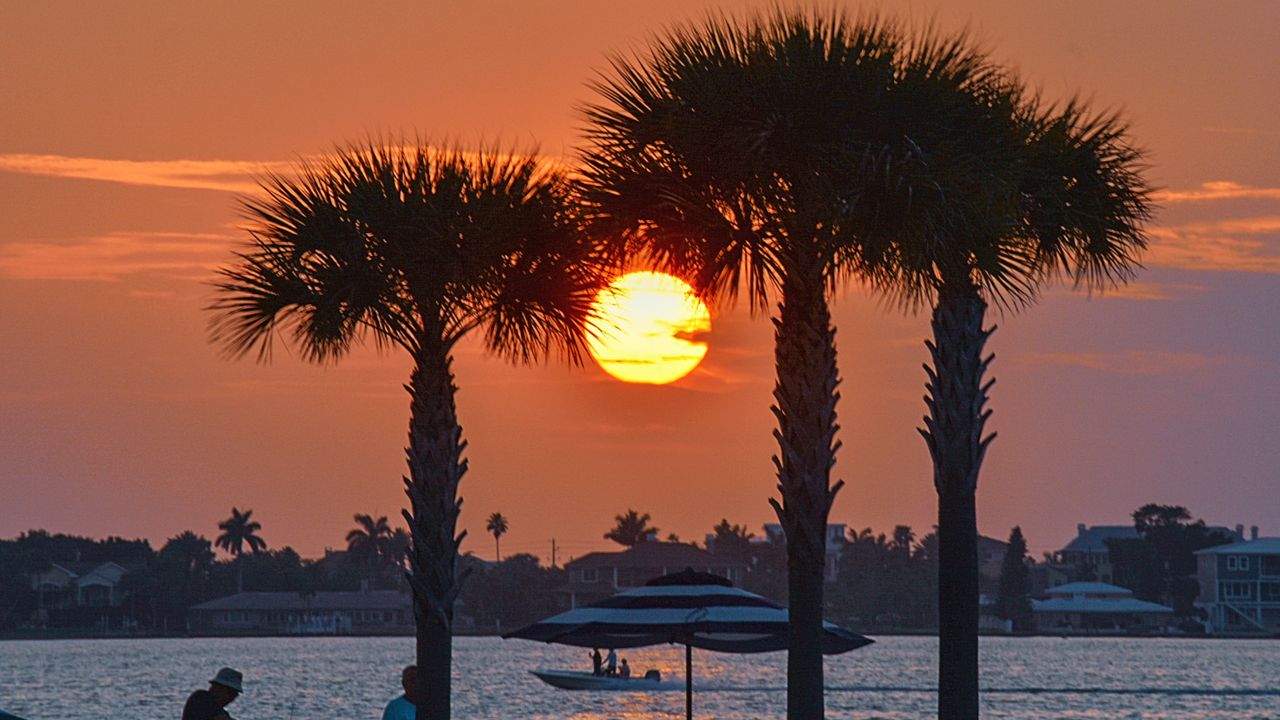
{"x": 1240, "y": 586}
{"x": 80, "y": 584}
{"x": 1088, "y": 550}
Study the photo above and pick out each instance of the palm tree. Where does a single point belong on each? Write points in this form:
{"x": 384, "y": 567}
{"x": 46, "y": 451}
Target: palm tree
{"x": 415, "y": 249}
{"x": 497, "y": 525}
{"x": 630, "y": 529}
{"x": 238, "y": 531}
{"x": 1019, "y": 195}
{"x": 399, "y": 545}
{"x": 370, "y": 541}
{"x": 753, "y": 156}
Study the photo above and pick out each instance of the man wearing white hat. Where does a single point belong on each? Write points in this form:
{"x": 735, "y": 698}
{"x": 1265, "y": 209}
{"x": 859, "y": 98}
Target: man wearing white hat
{"x": 211, "y": 704}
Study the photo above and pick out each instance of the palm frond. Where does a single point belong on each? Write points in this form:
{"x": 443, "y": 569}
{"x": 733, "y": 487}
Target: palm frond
{"x": 384, "y": 238}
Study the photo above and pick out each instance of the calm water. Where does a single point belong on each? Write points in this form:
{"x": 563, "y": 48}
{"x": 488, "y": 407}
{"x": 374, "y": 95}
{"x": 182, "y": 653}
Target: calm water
{"x": 317, "y": 678}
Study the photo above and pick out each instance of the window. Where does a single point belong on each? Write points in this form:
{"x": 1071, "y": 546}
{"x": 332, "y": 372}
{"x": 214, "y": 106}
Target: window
{"x": 1271, "y": 592}
{"x": 1269, "y": 564}
{"x": 591, "y": 575}
{"x": 1237, "y": 562}
{"x": 1236, "y": 591}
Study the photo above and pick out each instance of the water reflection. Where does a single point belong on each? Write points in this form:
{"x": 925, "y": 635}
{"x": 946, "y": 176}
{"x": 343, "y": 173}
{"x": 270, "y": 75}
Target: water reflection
{"x": 354, "y": 677}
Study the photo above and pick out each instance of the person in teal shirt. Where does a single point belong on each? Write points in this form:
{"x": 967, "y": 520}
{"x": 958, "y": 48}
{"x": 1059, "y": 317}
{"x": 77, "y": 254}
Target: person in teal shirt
{"x": 402, "y": 708}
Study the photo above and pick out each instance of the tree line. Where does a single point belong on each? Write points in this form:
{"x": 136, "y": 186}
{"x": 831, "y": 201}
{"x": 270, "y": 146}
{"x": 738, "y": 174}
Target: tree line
{"x": 161, "y": 584}
{"x": 886, "y": 581}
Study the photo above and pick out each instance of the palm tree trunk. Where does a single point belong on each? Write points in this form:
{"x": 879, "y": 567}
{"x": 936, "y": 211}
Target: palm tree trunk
{"x": 436, "y": 467}
{"x": 954, "y": 434}
{"x": 804, "y": 402}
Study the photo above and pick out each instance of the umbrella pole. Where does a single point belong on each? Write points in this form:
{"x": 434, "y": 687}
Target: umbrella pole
{"x": 688, "y": 682}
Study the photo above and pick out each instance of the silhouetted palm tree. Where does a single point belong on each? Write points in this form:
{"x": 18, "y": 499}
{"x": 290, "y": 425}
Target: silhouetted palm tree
{"x": 399, "y": 545}
{"x": 630, "y": 529}
{"x": 237, "y": 531}
{"x": 370, "y": 541}
{"x": 497, "y": 525}
{"x": 753, "y": 157}
{"x": 416, "y": 249}
{"x": 1018, "y": 195}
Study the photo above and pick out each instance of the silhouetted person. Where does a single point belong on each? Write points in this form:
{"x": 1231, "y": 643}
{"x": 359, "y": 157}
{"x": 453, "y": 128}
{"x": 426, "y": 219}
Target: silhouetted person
{"x": 597, "y": 662}
{"x": 611, "y": 663}
{"x": 624, "y": 672}
{"x": 211, "y": 704}
{"x": 402, "y": 708}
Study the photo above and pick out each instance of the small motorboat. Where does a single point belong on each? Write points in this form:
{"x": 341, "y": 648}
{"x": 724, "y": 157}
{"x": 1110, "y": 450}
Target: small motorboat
{"x": 574, "y": 680}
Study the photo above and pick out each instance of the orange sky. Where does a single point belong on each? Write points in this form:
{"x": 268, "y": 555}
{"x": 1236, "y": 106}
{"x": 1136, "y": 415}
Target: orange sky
{"x": 128, "y": 127}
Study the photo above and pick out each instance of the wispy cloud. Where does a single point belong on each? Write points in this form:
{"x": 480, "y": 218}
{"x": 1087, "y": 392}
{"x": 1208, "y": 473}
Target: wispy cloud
{"x": 1239, "y": 245}
{"x": 1217, "y": 190}
{"x": 1133, "y": 362}
{"x": 222, "y": 175}
{"x": 1144, "y": 291}
{"x": 115, "y": 256}
{"x": 238, "y": 176}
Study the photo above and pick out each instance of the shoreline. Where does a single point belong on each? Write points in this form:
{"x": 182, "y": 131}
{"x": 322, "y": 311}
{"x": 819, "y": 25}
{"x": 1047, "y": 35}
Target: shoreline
{"x": 74, "y": 634}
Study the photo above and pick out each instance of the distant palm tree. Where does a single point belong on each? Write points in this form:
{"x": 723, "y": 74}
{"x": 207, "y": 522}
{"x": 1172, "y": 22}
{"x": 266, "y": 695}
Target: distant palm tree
{"x": 498, "y": 526}
{"x": 904, "y": 539}
{"x": 399, "y": 546}
{"x": 630, "y": 529}
{"x": 370, "y": 541}
{"x": 237, "y": 531}
{"x": 416, "y": 249}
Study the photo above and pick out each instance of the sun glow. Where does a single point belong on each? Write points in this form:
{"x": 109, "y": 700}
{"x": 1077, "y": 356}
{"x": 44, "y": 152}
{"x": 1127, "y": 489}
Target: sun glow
{"x": 649, "y": 328}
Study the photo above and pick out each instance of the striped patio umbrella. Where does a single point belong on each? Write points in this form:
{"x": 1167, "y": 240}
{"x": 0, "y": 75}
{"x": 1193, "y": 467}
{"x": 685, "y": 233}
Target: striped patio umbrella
{"x": 694, "y": 609}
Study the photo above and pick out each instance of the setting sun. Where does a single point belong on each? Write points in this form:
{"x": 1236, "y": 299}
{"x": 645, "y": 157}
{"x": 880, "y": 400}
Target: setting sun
{"x": 649, "y": 328}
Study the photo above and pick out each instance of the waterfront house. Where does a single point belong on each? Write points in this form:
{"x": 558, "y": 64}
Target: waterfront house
{"x": 595, "y": 576}
{"x": 1089, "y": 548}
{"x": 370, "y": 612}
{"x": 1089, "y": 607}
{"x": 837, "y": 538}
{"x": 1240, "y": 586}
{"x": 1088, "y": 551}
{"x": 80, "y": 584}
{"x": 991, "y": 554}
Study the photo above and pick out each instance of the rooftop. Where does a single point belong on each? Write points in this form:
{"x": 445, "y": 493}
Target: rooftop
{"x": 1094, "y": 539}
{"x": 676, "y": 556}
{"x": 1088, "y": 588}
{"x": 1097, "y": 605}
{"x": 1261, "y": 546}
{"x": 371, "y": 600}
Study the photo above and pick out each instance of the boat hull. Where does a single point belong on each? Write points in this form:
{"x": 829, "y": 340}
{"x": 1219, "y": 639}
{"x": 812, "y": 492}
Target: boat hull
{"x": 571, "y": 680}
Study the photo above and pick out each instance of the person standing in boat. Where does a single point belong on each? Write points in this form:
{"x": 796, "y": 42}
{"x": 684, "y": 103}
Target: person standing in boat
{"x": 597, "y": 662}
{"x": 611, "y": 663}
